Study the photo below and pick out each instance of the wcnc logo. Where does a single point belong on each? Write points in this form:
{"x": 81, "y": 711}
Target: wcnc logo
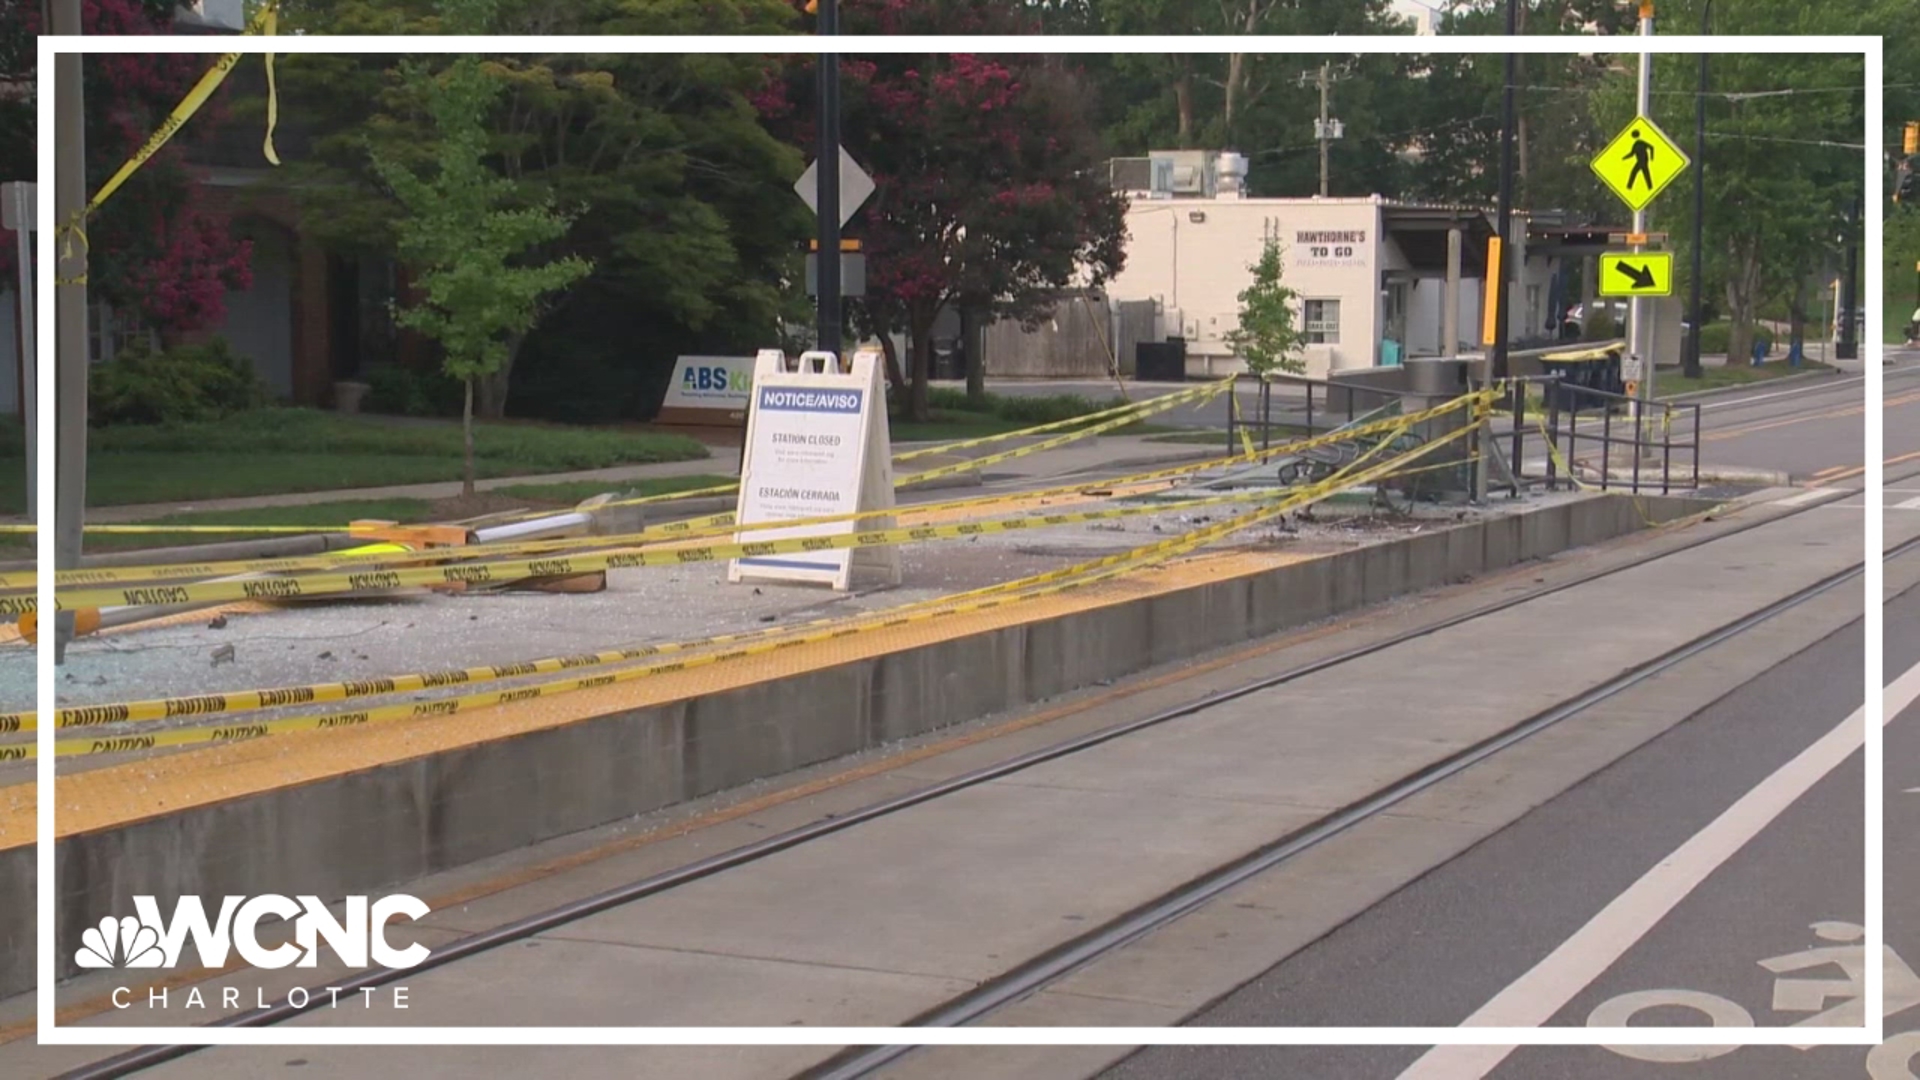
{"x": 149, "y": 941}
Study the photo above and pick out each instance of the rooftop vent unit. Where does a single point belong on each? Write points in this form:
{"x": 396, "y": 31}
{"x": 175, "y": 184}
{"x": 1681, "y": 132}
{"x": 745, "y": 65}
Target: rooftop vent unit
{"x": 1183, "y": 174}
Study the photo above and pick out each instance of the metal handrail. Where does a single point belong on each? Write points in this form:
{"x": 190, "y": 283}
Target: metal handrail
{"x": 1607, "y": 403}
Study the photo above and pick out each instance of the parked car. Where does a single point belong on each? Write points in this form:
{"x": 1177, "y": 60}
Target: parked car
{"x": 1573, "y": 325}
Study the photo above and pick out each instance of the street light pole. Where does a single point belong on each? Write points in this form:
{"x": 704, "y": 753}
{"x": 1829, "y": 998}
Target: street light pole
{"x": 70, "y": 312}
{"x": 1692, "y": 356}
{"x": 827, "y": 259}
{"x": 1498, "y": 274}
{"x": 1849, "y": 345}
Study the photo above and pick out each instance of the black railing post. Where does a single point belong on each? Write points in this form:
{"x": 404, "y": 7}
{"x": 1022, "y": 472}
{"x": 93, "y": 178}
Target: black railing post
{"x": 1639, "y": 440}
{"x": 1266, "y": 413}
{"x": 1666, "y": 449}
{"x": 1520, "y": 417}
{"x": 1606, "y": 442}
{"x": 1696, "y": 447}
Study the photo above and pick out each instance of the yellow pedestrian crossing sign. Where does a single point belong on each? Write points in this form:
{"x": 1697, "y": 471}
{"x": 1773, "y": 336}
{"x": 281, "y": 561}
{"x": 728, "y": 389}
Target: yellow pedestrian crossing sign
{"x": 1623, "y": 273}
{"x": 1639, "y": 163}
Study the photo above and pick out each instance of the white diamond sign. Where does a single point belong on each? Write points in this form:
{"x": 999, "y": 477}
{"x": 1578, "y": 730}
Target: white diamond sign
{"x": 856, "y": 187}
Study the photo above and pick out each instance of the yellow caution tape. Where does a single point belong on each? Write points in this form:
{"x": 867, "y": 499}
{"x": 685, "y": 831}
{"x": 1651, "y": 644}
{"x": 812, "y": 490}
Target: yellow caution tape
{"x": 508, "y": 571}
{"x": 1132, "y": 413}
{"x": 717, "y": 524}
{"x": 1198, "y": 395}
{"x": 724, "y": 521}
{"x": 1117, "y": 565}
{"x": 1128, "y": 408}
{"x": 239, "y": 701}
{"x": 265, "y": 21}
{"x": 1146, "y": 409}
{"x": 161, "y": 530}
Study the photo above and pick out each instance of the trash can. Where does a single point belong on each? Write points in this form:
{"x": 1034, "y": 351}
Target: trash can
{"x": 1591, "y": 369}
{"x": 1160, "y": 361}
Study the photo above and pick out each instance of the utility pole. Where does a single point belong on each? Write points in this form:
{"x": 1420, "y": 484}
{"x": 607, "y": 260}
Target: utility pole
{"x": 827, "y": 211}
{"x": 1323, "y": 133}
{"x": 1497, "y": 275}
{"x": 1849, "y": 346}
{"x": 1325, "y": 129}
{"x": 70, "y": 312}
{"x": 1691, "y": 359}
{"x": 1640, "y": 336}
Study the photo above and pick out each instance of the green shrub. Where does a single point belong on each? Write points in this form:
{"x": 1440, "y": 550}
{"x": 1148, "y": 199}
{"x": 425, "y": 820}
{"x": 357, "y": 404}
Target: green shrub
{"x": 1600, "y": 327}
{"x": 402, "y": 391}
{"x": 1017, "y": 408}
{"x": 1047, "y": 410}
{"x": 183, "y": 385}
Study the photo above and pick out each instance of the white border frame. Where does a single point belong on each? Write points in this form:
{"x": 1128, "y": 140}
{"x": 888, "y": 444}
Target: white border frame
{"x": 1869, "y": 48}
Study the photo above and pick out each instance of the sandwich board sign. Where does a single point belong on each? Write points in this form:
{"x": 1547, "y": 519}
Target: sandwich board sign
{"x": 817, "y": 445}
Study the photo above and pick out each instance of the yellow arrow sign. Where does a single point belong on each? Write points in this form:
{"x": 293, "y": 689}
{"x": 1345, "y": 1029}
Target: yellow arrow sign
{"x": 1626, "y": 274}
{"x": 1639, "y": 163}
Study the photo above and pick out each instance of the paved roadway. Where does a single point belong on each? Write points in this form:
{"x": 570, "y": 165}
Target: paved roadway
{"x": 1464, "y": 941}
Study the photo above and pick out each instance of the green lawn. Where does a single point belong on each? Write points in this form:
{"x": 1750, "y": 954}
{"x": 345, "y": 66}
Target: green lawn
{"x": 276, "y": 451}
{"x": 1671, "y": 382}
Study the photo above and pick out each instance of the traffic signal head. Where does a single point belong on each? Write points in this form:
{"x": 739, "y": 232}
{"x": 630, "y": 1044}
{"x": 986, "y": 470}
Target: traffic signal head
{"x": 1910, "y": 141}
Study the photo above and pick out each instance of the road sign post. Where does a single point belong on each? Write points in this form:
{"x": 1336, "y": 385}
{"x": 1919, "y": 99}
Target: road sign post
{"x": 1636, "y": 166}
{"x": 827, "y": 210}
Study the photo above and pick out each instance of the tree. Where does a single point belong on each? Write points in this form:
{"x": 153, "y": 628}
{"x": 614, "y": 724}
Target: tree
{"x": 1268, "y": 338}
{"x": 465, "y": 231}
{"x": 678, "y": 195}
{"x": 156, "y": 252}
{"x": 989, "y": 191}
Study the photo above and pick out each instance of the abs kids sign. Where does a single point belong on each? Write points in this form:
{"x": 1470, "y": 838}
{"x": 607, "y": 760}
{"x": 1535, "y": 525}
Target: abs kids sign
{"x": 817, "y": 446}
{"x": 711, "y": 390}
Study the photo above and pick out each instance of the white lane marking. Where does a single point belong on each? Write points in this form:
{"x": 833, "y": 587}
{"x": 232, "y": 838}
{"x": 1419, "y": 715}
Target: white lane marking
{"x": 1535, "y": 997}
{"x": 1910, "y": 504}
{"x": 1804, "y": 497}
{"x": 1708, "y": 406}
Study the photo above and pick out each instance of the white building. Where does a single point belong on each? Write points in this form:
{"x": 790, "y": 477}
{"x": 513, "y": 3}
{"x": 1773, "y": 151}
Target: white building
{"x": 1372, "y": 274}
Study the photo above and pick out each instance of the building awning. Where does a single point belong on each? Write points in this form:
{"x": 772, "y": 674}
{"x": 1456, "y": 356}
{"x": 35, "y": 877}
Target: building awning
{"x": 1420, "y": 232}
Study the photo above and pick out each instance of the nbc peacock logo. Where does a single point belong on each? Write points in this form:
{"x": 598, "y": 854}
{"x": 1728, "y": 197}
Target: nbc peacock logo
{"x": 125, "y": 942}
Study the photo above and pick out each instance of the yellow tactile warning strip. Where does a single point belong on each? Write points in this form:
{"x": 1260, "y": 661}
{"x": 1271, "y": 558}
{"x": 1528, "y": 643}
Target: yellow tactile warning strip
{"x": 121, "y": 794}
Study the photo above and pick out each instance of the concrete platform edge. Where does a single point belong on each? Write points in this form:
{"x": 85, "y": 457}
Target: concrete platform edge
{"x": 359, "y": 832}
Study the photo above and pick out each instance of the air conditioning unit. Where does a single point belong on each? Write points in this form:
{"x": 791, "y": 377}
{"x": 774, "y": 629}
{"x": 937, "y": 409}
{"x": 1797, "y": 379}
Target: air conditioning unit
{"x": 1186, "y": 173}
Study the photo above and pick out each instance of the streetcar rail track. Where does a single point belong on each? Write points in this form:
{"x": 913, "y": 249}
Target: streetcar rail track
{"x": 1037, "y": 972}
{"x": 1047, "y": 968}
